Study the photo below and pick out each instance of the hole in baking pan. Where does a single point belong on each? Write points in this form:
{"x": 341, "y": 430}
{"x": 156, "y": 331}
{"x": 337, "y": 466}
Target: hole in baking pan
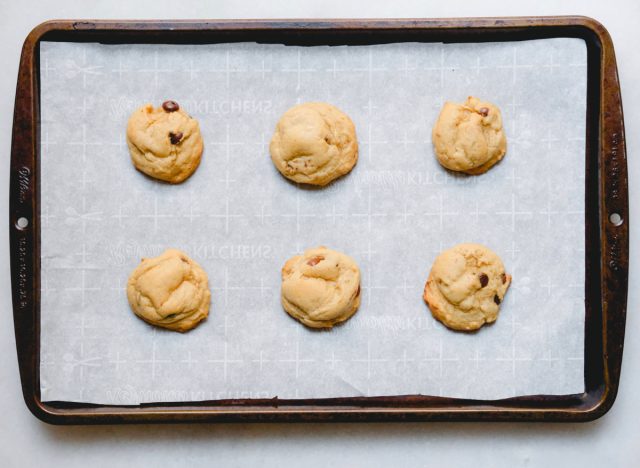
{"x": 22, "y": 223}
{"x": 616, "y": 219}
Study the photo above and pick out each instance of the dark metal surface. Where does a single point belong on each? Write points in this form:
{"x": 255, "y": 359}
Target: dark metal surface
{"x": 606, "y": 252}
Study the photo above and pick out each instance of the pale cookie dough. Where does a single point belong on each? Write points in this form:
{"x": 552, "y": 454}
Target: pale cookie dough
{"x": 314, "y": 143}
{"x": 466, "y": 285}
{"x": 321, "y": 287}
{"x": 170, "y": 291}
{"x": 469, "y": 137}
{"x": 164, "y": 142}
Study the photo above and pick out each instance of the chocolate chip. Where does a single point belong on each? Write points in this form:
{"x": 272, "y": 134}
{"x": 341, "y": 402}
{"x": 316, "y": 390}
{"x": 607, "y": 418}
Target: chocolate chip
{"x": 484, "y": 111}
{"x": 175, "y": 137}
{"x": 484, "y": 280}
{"x": 496, "y": 299}
{"x": 170, "y": 106}
{"x": 504, "y": 278}
{"x": 314, "y": 261}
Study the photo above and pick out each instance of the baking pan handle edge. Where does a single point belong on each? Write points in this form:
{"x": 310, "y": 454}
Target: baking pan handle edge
{"x": 614, "y": 220}
{"x": 24, "y": 228}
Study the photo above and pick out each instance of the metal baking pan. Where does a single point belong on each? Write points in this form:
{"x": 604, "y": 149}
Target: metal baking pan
{"x": 606, "y": 221}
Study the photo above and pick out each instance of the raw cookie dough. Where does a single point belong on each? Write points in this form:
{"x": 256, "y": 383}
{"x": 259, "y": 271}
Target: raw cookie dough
{"x": 164, "y": 142}
{"x": 469, "y": 137}
{"x": 321, "y": 287}
{"x": 169, "y": 291}
{"x": 466, "y": 285}
{"x": 314, "y": 143}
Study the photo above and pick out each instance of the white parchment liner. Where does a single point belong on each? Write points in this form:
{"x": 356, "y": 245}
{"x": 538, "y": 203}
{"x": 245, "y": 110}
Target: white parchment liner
{"x": 241, "y": 220}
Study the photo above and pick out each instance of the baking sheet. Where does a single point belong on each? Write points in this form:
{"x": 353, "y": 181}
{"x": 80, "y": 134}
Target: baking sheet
{"x": 241, "y": 220}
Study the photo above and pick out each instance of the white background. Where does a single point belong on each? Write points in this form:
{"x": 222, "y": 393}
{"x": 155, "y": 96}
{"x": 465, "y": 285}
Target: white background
{"x": 612, "y": 440}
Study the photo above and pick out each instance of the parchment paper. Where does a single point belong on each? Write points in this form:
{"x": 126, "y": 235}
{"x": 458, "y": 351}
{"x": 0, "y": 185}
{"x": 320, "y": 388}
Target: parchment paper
{"x": 241, "y": 220}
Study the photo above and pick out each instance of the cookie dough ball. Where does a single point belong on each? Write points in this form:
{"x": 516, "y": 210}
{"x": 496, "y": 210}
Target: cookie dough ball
{"x": 314, "y": 143}
{"x": 321, "y": 287}
{"x": 469, "y": 137}
{"x": 170, "y": 291}
{"x": 164, "y": 142}
{"x": 466, "y": 285}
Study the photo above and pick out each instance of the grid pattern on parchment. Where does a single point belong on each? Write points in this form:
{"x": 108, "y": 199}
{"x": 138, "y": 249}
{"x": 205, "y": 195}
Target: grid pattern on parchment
{"x": 240, "y": 220}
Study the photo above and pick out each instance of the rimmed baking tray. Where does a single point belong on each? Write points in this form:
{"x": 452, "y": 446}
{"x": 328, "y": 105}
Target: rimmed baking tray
{"x": 606, "y": 221}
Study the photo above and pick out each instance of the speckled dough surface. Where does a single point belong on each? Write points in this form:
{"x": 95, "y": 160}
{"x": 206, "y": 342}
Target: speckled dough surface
{"x": 314, "y": 143}
{"x": 164, "y": 142}
{"x": 321, "y": 287}
{"x": 466, "y": 285}
{"x": 170, "y": 291}
{"x": 469, "y": 137}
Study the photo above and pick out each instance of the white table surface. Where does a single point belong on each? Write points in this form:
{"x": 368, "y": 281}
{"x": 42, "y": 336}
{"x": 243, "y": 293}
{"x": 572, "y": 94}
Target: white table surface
{"x": 611, "y": 441}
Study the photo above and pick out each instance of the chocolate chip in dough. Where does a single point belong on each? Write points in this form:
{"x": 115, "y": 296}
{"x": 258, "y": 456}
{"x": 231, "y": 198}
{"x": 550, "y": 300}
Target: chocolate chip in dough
{"x": 170, "y": 106}
{"x": 484, "y": 280}
{"x": 175, "y": 137}
{"x": 496, "y": 299}
{"x": 484, "y": 111}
